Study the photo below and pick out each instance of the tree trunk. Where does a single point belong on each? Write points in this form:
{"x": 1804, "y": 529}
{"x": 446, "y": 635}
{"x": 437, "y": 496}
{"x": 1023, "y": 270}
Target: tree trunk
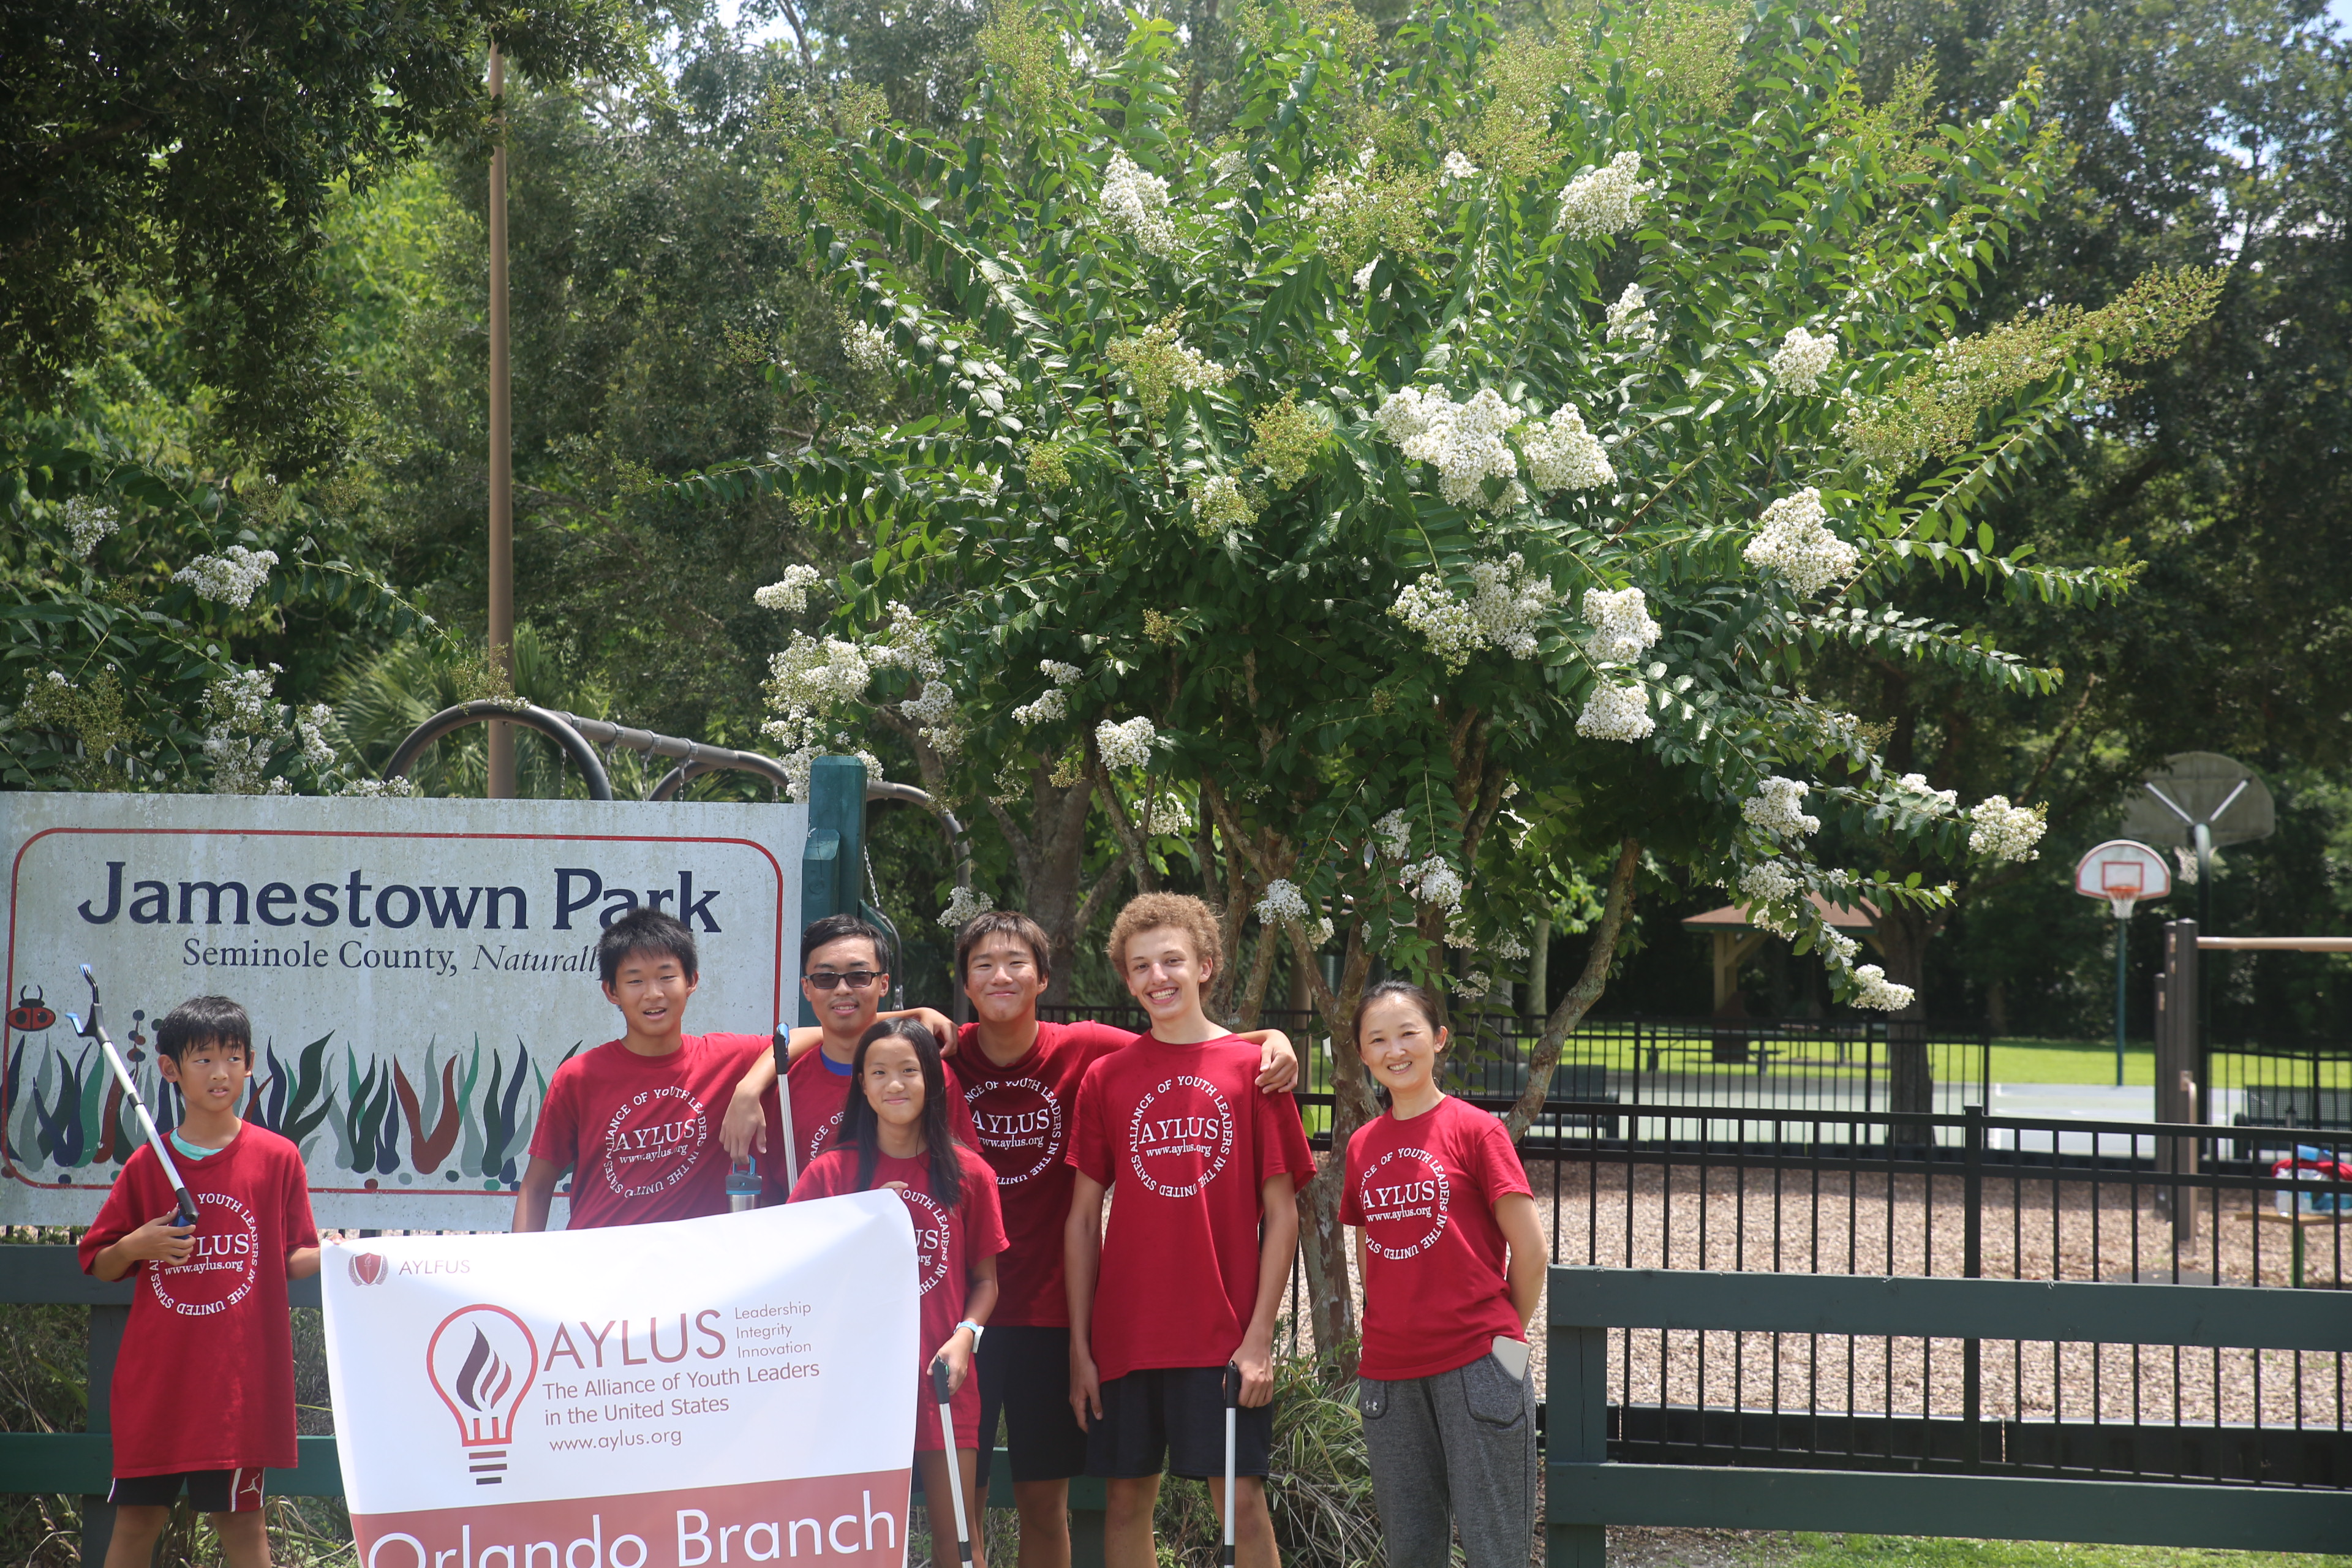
{"x": 1903, "y": 936}
{"x": 1581, "y": 995}
{"x": 1049, "y": 858}
{"x": 1331, "y": 1304}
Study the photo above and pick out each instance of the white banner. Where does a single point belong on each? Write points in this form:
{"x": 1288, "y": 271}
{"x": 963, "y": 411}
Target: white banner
{"x": 704, "y": 1393}
{"x": 415, "y": 969}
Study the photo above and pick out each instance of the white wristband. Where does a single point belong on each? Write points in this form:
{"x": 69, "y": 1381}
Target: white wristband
{"x": 977, "y": 1330}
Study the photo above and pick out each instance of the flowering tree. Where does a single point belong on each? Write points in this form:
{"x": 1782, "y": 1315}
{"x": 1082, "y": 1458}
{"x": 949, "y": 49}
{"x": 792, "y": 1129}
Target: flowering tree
{"x": 1456, "y": 472}
{"x": 122, "y": 597}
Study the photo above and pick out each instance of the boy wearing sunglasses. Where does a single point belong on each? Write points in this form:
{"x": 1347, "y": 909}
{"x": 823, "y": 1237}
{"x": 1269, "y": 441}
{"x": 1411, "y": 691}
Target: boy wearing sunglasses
{"x": 845, "y": 974}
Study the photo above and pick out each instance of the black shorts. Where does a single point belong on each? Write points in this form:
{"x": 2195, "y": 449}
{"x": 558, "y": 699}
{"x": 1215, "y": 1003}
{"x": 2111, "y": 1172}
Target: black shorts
{"x": 209, "y": 1491}
{"x": 1175, "y": 1414}
{"x": 1025, "y": 1372}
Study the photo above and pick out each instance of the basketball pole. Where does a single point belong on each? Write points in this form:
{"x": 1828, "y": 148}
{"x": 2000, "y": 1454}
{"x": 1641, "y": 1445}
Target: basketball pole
{"x": 2123, "y": 930}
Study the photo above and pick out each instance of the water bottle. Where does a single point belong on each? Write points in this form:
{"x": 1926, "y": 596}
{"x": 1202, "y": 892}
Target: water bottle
{"x": 742, "y": 1187}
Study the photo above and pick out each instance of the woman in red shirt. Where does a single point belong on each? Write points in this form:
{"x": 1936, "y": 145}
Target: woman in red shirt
{"x": 895, "y": 1133}
{"x": 1439, "y": 1197}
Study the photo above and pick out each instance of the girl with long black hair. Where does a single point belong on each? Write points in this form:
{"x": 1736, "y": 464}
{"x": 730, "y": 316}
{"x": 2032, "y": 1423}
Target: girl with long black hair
{"x": 896, "y": 1135}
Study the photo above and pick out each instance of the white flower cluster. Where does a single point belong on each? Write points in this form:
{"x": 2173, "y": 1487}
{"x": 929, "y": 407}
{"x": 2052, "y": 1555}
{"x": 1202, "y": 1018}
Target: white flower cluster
{"x": 1616, "y": 714}
{"x": 1839, "y": 946}
{"x": 1879, "y": 992}
{"x": 1457, "y": 167}
{"x": 868, "y": 349}
{"x": 1435, "y": 883}
{"x": 1135, "y": 202}
{"x": 87, "y": 524}
{"x": 1631, "y": 319}
{"x": 1793, "y": 539}
{"x": 790, "y": 595}
{"x": 812, "y": 674}
{"x": 1285, "y": 904}
{"x": 1916, "y": 783}
{"x": 1127, "y": 745}
{"x": 907, "y": 645}
{"x": 1474, "y": 985}
{"x": 1507, "y": 605}
{"x": 1463, "y": 441}
{"x": 2003, "y": 831}
{"x": 1167, "y": 813}
{"x": 1053, "y": 704}
{"x": 1604, "y": 200}
{"x": 1508, "y": 945}
{"x": 1769, "y": 882}
{"x": 229, "y": 578}
{"x": 310, "y": 733}
{"x": 962, "y": 905}
{"x": 1621, "y": 622}
{"x": 1227, "y": 167}
{"x": 933, "y": 710}
{"x": 1395, "y": 834}
{"x": 1801, "y": 358}
{"x": 1773, "y": 808}
{"x": 1222, "y": 505}
{"x": 400, "y": 788}
{"x": 1364, "y": 275}
{"x": 1562, "y": 455}
{"x": 247, "y": 728}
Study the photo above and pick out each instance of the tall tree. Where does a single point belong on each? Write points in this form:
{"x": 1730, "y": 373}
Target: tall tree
{"x": 194, "y": 151}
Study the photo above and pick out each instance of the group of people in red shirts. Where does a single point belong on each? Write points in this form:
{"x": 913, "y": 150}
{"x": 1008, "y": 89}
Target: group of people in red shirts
{"x": 1103, "y": 1340}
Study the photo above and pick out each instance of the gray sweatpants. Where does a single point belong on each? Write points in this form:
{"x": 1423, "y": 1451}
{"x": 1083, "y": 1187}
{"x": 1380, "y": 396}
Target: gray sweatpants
{"x": 1455, "y": 1448}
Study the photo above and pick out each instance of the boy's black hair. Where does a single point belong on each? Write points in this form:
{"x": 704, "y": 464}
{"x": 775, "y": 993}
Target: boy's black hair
{"x": 862, "y": 1129}
{"x": 204, "y": 1021}
{"x": 644, "y": 931}
{"x": 832, "y": 928}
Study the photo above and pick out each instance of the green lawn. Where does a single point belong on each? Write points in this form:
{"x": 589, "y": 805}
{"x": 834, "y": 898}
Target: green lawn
{"x": 2070, "y": 1061}
{"x": 1908, "y": 1552}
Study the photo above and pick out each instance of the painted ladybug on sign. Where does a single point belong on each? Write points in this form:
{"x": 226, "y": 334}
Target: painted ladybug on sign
{"x": 30, "y": 1013}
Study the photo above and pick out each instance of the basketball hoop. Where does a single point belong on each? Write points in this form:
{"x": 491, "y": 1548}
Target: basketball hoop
{"x": 2123, "y": 873}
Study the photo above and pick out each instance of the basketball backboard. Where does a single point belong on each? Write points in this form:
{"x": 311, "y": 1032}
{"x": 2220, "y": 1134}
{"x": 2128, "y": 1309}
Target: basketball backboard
{"x": 2200, "y": 786}
{"x": 2124, "y": 873}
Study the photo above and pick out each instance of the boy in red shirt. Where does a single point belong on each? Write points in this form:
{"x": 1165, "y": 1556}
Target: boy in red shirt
{"x": 211, "y": 1295}
{"x": 635, "y": 1120}
{"x": 845, "y": 974}
{"x": 1192, "y": 1270}
{"x": 1021, "y": 1079}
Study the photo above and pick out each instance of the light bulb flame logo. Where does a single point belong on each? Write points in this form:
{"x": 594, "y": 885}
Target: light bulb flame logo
{"x": 481, "y": 1360}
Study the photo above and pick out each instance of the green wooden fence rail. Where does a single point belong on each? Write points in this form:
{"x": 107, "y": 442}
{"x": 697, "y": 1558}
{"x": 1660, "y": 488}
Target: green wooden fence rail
{"x": 1585, "y": 1492}
{"x": 81, "y": 1463}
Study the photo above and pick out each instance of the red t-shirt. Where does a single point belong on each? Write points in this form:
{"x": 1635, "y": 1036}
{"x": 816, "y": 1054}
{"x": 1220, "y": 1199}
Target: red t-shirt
{"x": 1423, "y": 1191}
{"x": 206, "y": 1379}
{"x": 820, "y": 1099}
{"x": 1021, "y": 1113}
{"x": 1184, "y": 1140}
{"x": 946, "y": 1243}
{"x": 641, "y": 1133}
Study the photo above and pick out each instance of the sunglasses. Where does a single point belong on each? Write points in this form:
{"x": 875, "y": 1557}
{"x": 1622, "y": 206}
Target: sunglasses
{"x": 855, "y": 979}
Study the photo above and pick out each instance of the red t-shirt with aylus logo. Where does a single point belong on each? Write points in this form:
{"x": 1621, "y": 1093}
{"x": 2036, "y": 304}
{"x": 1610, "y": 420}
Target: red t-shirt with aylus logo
{"x": 1184, "y": 1140}
{"x": 948, "y": 1241}
{"x": 206, "y": 1379}
{"x": 641, "y": 1133}
{"x": 1021, "y": 1114}
{"x": 820, "y": 1099}
{"x": 1436, "y": 1293}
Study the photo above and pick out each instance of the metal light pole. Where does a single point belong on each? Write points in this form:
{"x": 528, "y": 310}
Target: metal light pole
{"x": 501, "y": 640}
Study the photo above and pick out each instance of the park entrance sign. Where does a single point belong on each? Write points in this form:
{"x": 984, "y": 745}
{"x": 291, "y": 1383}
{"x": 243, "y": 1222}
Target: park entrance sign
{"x": 415, "y": 970}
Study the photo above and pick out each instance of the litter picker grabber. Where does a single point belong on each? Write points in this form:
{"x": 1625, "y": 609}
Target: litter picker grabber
{"x": 1233, "y": 1404}
{"x": 781, "y": 1047}
{"x": 955, "y": 1466}
{"x": 96, "y": 1030}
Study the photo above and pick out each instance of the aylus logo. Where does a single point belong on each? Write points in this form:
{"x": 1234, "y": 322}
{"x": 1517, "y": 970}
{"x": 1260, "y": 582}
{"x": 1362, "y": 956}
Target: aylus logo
{"x": 367, "y": 1268}
{"x": 481, "y": 1360}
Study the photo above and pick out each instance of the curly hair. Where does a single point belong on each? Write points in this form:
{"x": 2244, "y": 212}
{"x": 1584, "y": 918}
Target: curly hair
{"x": 1149, "y": 912}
